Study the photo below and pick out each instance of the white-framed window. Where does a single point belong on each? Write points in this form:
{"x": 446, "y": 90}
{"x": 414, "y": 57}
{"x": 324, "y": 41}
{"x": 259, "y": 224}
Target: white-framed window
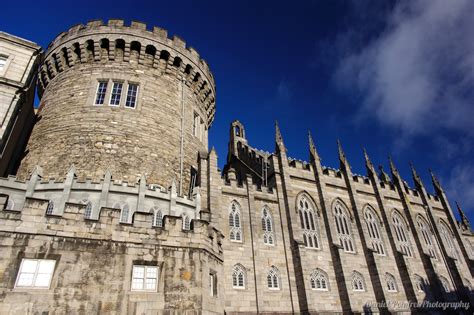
{"x": 448, "y": 239}
{"x": 132, "y": 93}
{"x": 309, "y": 223}
{"x": 273, "y": 278}
{"x": 35, "y": 273}
{"x": 116, "y": 94}
{"x": 390, "y": 282}
{"x": 212, "y": 284}
{"x": 238, "y": 277}
{"x": 402, "y": 236}
{"x": 3, "y": 62}
{"x": 157, "y": 217}
{"x": 101, "y": 92}
{"x": 445, "y": 284}
{"x": 357, "y": 281}
{"x": 124, "y": 211}
{"x": 267, "y": 227}
{"x": 319, "y": 280}
{"x": 343, "y": 227}
{"x": 88, "y": 210}
{"x": 419, "y": 283}
{"x": 196, "y": 124}
{"x": 373, "y": 225}
{"x": 427, "y": 235}
{"x": 144, "y": 278}
{"x": 50, "y": 208}
{"x": 10, "y": 204}
{"x": 235, "y": 227}
{"x": 186, "y": 223}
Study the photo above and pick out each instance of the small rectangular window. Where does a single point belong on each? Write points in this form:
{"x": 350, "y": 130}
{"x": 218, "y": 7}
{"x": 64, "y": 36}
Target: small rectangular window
{"x": 100, "y": 95}
{"x": 132, "y": 96}
{"x": 144, "y": 278}
{"x": 116, "y": 94}
{"x": 212, "y": 284}
{"x": 35, "y": 273}
{"x": 196, "y": 125}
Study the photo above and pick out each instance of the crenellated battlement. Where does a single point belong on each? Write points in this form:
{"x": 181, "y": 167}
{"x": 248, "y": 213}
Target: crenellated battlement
{"x": 97, "y": 42}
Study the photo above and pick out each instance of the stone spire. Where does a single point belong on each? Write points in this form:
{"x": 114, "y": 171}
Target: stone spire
{"x": 415, "y": 176}
{"x": 464, "y": 220}
{"x": 436, "y": 183}
{"x": 393, "y": 168}
{"x": 342, "y": 155}
{"x": 383, "y": 175}
{"x": 312, "y": 147}
{"x": 279, "y": 139}
{"x": 368, "y": 163}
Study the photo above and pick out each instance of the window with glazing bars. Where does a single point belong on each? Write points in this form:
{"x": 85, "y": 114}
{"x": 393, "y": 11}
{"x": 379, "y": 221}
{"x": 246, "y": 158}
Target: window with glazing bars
{"x": 132, "y": 93}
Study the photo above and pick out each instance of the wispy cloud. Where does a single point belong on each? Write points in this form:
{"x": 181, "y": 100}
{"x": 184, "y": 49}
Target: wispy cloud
{"x": 417, "y": 76}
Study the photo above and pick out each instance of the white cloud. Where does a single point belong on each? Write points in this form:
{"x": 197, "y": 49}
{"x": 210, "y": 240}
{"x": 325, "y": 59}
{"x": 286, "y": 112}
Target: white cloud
{"x": 460, "y": 186}
{"x": 418, "y": 75}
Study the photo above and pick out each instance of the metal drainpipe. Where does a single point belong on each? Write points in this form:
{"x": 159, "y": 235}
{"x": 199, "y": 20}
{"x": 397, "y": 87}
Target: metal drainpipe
{"x": 181, "y": 149}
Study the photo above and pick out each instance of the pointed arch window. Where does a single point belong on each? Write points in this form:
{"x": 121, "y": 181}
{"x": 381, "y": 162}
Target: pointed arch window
{"x": 445, "y": 284}
{"x": 319, "y": 280}
{"x": 157, "y": 217}
{"x": 273, "y": 278}
{"x": 448, "y": 239}
{"x": 401, "y": 234}
{"x": 373, "y": 225}
{"x": 238, "y": 277}
{"x": 186, "y": 223}
{"x": 10, "y": 204}
{"x": 343, "y": 227}
{"x": 309, "y": 223}
{"x": 124, "y": 211}
{"x": 235, "y": 226}
{"x": 391, "y": 283}
{"x": 357, "y": 282}
{"x": 88, "y": 209}
{"x": 419, "y": 283}
{"x": 50, "y": 208}
{"x": 427, "y": 235}
{"x": 267, "y": 227}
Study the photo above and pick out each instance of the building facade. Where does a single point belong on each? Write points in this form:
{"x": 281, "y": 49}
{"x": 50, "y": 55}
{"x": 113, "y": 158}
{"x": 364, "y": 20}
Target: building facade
{"x": 119, "y": 207}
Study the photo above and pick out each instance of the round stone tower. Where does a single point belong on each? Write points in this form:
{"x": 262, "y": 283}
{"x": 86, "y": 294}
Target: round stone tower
{"x": 121, "y": 98}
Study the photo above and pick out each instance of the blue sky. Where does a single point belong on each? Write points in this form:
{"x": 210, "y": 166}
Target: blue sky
{"x": 395, "y": 78}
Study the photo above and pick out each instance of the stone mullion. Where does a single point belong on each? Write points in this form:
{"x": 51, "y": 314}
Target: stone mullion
{"x": 141, "y": 57}
{"x": 71, "y": 60}
{"x": 126, "y": 52}
{"x": 97, "y": 51}
{"x": 111, "y": 49}
{"x": 83, "y": 52}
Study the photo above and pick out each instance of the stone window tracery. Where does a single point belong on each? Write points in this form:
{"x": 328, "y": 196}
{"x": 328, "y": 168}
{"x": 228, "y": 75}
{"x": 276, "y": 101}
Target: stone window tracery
{"x": 427, "y": 235}
{"x": 88, "y": 209}
{"x": 319, "y": 280}
{"x": 267, "y": 227}
{"x": 343, "y": 227}
{"x": 186, "y": 223}
{"x": 309, "y": 223}
{"x": 273, "y": 278}
{"x": 448, "y": 239}
{"x": 357, "y": 282}
{"x": 235, "y": 227}
{"x": 238, "y": 277}
{"x": 373, "y": 225}
{"x": 157, "y": 217}
{"x": 401, "y": 234}
{"x": 391, "y": 283}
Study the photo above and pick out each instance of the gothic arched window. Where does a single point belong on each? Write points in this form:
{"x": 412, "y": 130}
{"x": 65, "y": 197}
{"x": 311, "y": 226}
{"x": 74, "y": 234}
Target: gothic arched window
{"x": 50, "y": 208}
{"x": 235, "y": 226}
{"x": 427, "y": 235}
{"x": 319, "y": 280}
{"x": 157, "y": 217}
{"x": 419, "y": 283}
{"x": 343, "y": 227}
{"x": 448, "y": 239}
{"x": 124, "y": 213}
{"x": 88, "y": 209}
{"x": 238, "y": 277}
{"x": 273, "y": 278}
{"x": 186, "y": 223}
{"x": 391, "y": 283}
{"x": 309, "y": 223}
{"x": 400, "y": 231}
{"x": 445, "y": 284}
{"x": 10, "y": 204}
{"x": 267, "y": 227}
{"x": 357, "y": 282}
{"x": 373, "y": 225}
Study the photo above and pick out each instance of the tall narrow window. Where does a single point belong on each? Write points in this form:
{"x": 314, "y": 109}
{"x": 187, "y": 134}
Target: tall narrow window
{"x": 10, "y": 204}
{"x": 157, "y": 217}
{"x": 144, "y": 278}
{"x": 374, "y": 232}
{"x": 100, "y": 95}
{"x": 116, "y": 94}
{"x": 391, "y": 283}
{"x": 319, "y": 280}
{"x": 124, "y": 213}
{"x": 235, "y": 227}
{"x": 357, "y": 282}
{"x": 35, "y": 273}
{"x": 238, "y": 277}
{"x": 212, "y": 284}
{"x": 186, "y": 223}
{"x": 343, "y": 227}
{"x": 131, "y": 95}
{"x": 50, "y": 208}
{"x": 427, "y": 236}
{"x": 419, "y": 283}
{"x": 267, "y": 227}
{"x": 273, "y": 278}
{"x": 402, "y": 237}
{"x": 448, "y": 239}
{"x": 196, "y": 121}
{"x": 445, "y": 284}
{"x": 88, "y": 209}
{"x": 309, "y": 223}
